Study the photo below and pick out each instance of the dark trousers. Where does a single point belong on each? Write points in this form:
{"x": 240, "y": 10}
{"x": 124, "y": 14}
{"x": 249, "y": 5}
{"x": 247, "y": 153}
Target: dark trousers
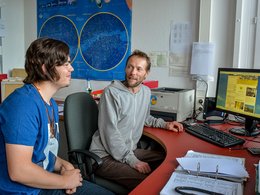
{"x": 125, "y": 175}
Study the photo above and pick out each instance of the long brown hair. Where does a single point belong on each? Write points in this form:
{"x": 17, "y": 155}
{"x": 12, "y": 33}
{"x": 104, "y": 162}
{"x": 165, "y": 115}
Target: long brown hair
{"x": 48, "y": 52}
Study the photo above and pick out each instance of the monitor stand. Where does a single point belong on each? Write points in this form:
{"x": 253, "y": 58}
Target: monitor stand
{"x": 250, "y": 129}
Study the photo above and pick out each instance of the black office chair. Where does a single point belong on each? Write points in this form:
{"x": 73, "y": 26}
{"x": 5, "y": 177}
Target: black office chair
{"x": 81, "y": 121}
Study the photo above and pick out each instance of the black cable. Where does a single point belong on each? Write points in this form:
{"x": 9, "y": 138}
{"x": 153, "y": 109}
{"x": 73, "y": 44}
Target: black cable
{"x": 201, "y": 79}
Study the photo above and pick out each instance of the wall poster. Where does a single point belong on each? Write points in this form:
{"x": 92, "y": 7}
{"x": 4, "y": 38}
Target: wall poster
{"x": 97, "y": 31}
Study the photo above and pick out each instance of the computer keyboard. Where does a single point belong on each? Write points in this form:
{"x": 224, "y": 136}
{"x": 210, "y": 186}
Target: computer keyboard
{"x": 212, "y": 135}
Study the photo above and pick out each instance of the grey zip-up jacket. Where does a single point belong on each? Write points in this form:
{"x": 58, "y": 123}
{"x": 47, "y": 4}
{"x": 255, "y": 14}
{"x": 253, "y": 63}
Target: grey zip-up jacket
{"x": 122, "y": 116}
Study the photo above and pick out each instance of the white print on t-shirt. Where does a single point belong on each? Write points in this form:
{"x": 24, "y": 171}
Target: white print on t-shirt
{"x": 52, "y": 146}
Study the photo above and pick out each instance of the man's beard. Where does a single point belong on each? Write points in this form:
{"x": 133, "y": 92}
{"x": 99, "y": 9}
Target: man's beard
{"x": 133, "y": 85}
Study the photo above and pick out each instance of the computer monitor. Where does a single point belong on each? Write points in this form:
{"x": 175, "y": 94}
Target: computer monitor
{"x": 238, "y": 93}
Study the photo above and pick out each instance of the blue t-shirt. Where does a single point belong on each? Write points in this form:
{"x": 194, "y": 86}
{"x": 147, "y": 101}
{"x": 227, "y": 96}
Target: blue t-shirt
{"x": 24, "y": 121}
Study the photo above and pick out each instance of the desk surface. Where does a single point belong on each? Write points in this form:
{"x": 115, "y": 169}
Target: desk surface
{"x": 177, "y": 145}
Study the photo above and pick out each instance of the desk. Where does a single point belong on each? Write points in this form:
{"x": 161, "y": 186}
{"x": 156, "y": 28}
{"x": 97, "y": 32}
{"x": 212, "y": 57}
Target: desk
{"x": 176, "y": 145}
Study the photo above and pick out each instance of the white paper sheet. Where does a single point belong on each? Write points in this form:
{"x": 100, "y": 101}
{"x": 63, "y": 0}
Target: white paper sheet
{"x": 220, "y": 186}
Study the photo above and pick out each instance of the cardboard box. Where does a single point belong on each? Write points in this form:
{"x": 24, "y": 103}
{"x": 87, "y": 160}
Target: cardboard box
{"x": 9, "y": 85}
{"x": 18, "y": 72}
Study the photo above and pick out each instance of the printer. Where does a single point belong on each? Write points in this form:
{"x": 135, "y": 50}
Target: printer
{"x": 172, "y": 103}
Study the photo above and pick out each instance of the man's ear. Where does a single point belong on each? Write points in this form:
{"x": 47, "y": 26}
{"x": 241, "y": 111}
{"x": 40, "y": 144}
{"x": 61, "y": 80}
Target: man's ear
{"x": 147, "y": 73}
{"x": 44, "y": 68}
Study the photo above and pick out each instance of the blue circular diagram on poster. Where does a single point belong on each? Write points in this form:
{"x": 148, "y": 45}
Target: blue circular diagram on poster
{"x": 61, "y": 28}
{"x": 103, "y": 41}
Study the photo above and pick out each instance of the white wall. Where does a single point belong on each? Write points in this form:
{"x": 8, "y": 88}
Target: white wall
{"x": 222, "y": 35}
{"x": 12, "y": 13}
{"x": 30, "y": 22}
{"x": 257, "y": 48}
{"x": 150, "y": 32}
{"x": 151, "y": 21}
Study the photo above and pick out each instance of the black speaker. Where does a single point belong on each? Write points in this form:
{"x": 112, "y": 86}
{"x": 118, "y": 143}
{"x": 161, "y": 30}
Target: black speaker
{"x": 209, "y": 112}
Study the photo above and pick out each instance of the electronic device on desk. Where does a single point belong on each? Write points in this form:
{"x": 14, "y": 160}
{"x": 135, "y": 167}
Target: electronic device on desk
{"x": 172, "y": 104}
{"x": 213, "y": 135}
{"x": 210, "y": 115}
{"x": 238, "y": 93}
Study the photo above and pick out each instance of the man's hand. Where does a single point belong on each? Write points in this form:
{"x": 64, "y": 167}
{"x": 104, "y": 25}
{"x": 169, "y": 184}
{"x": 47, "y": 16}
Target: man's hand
{"x": 142, "y": 167}
{"x": 174, "y": 126}
{"x": 73, "y": 175}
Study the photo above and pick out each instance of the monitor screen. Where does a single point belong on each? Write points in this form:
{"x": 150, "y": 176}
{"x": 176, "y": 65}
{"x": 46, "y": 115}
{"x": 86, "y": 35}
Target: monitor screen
{"x": 238, "y": 93}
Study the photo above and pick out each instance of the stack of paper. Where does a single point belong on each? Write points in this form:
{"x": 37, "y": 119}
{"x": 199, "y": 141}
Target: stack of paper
{"x": 206, "y": 183}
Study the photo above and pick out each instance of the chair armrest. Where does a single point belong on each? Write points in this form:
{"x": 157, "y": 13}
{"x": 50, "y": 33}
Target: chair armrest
{"x": 89, "y": 154}
{"x": 83, "y": 160}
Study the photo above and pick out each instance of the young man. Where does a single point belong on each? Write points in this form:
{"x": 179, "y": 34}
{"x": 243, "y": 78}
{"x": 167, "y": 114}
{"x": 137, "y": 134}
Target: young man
{"x": 29, "y": 130}
{"x": 123, "y": 112}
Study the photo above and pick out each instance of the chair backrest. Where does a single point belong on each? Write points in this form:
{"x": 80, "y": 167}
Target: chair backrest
{"x": 80, "y": 120}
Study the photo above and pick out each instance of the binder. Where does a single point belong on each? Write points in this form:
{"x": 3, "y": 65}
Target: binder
{"x": 213, "y": 178}
{"x": 235, "y": 173}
